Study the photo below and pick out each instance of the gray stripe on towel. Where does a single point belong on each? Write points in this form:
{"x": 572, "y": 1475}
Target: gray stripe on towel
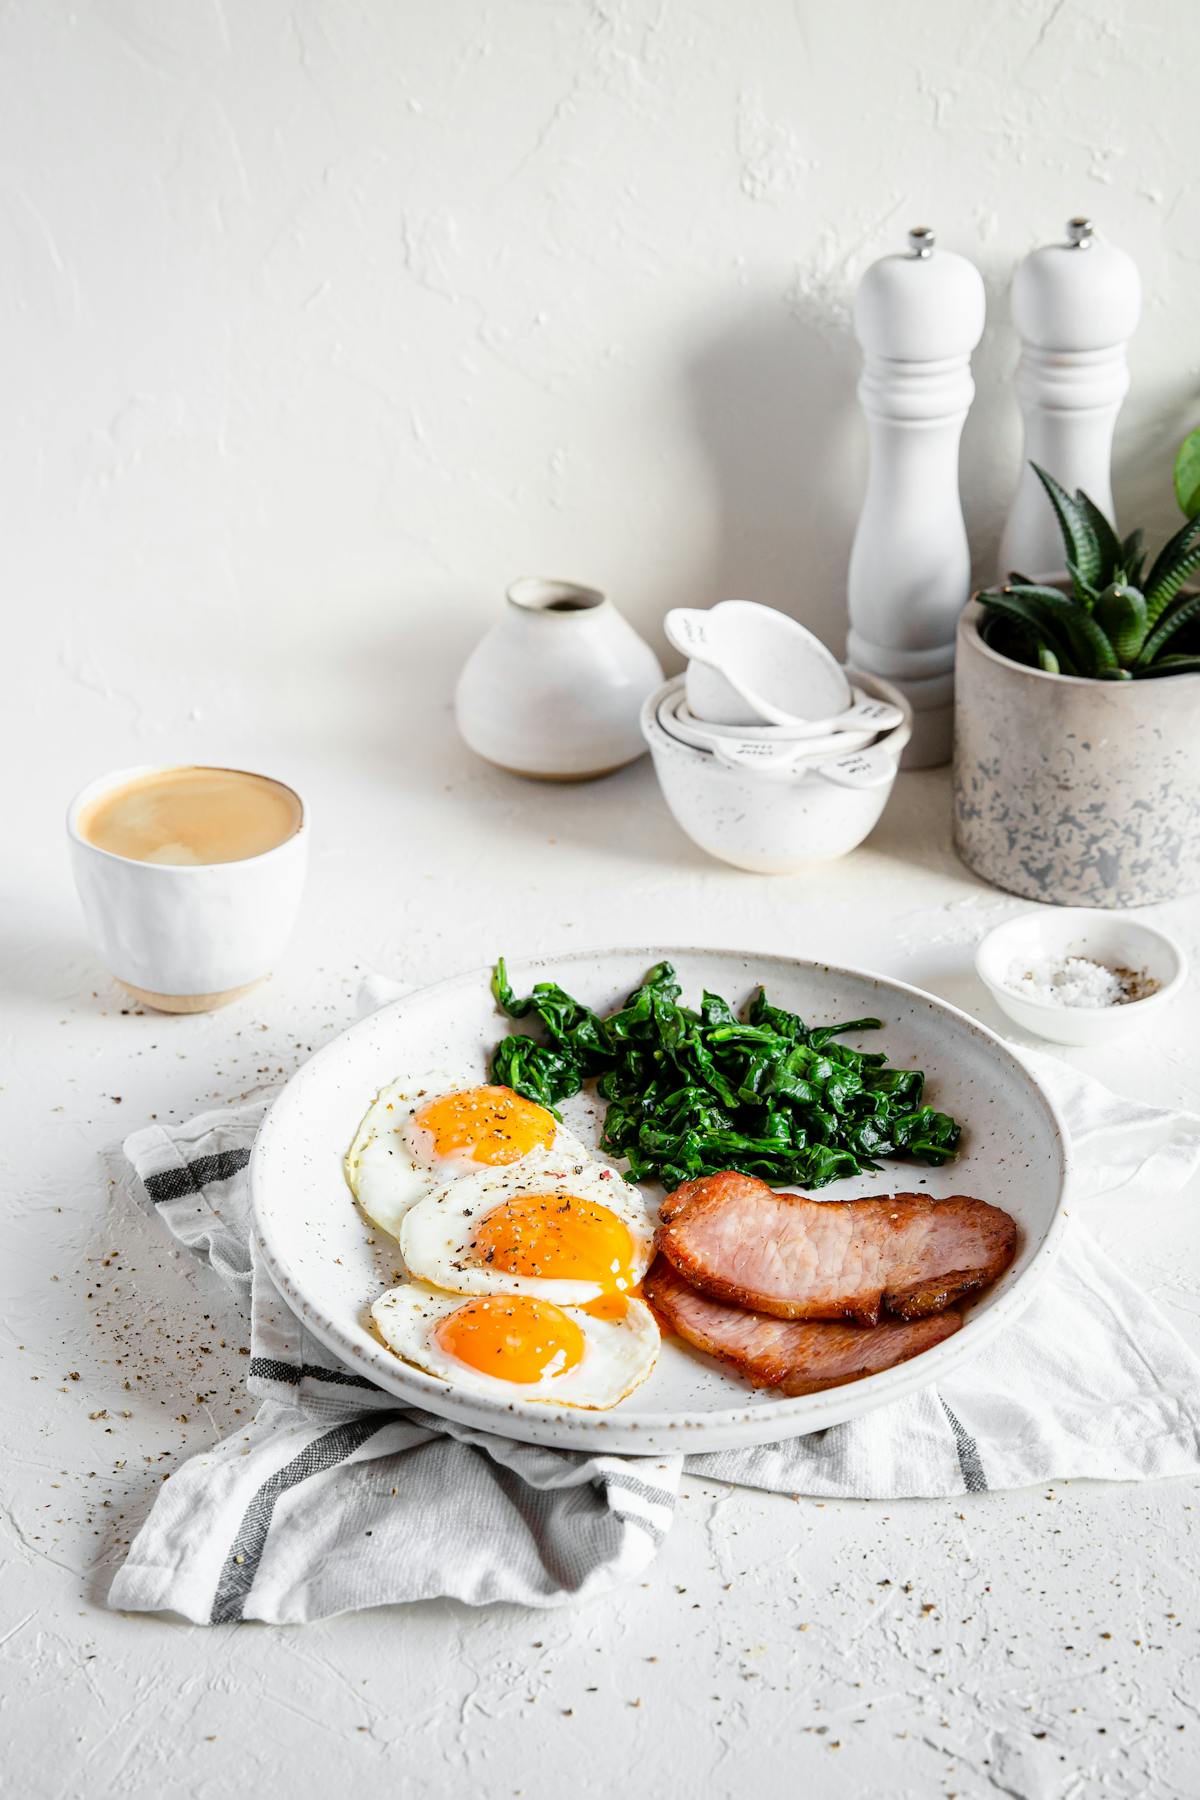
{"x": 245, "y": 1554}
{"x": 656, "y": 1533}
{"x": 641, "y": 1490}
{"x": 969, "y": 1460}
{"x": 194, "y": 1177}
{"x": 268, "y": 1368}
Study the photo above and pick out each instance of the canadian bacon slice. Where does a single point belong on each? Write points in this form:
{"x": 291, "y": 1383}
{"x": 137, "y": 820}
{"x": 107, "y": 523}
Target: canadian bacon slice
{"x": 797, "y": 1356}
{"x": 738, "y": 1240}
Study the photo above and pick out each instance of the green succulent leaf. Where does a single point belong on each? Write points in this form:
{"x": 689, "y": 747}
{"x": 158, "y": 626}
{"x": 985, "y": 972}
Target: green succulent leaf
{"x": 1187, "y": 474}
{"x": 1052, "y": 597}
{"x": 1168, "y": 665}
{"x": 1092, "y": 648}
{"x": 1181, "y": 614}
{"x": 1036, "y": 624}
{"x": 1133, "y": 559}
{"x": 1085, "y": 593}
{"x": 1078, "y": 533}
{"x": 1016, "y": 634}
{"x": 1131, "y": 547}
{"x": 1089, "y": 645}
{"x": 1121, "y": 614}
{"x": 1113, "y": 623}
{"x": 1178, "y": 558}
{"x": 1010, "y": 637}
{"x": 1111, "y": 554}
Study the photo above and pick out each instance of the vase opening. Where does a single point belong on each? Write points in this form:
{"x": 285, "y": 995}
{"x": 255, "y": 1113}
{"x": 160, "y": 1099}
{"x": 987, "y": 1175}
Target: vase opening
{"x": 534, "y": 593}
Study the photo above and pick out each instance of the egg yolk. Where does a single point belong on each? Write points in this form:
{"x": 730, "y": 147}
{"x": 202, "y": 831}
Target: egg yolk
{"x": 490, "y": 1125}
{"x": 512, "y": 1337}
{"x": 612, "y": 1307}
{"x": 557, "y": 1236}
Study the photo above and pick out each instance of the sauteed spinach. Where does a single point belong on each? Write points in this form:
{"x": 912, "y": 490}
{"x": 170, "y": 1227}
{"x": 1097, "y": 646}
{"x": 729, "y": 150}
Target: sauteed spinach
{"x": 694, "y": 1092}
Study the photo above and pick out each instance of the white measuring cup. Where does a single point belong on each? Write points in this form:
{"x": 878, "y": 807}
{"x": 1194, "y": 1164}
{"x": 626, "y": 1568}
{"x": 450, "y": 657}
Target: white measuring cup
{"x": 867, "y": 768}
{"x": 751, "y": 665}
{"x": 857, "y": 766}
{"x": 874, "y": 717}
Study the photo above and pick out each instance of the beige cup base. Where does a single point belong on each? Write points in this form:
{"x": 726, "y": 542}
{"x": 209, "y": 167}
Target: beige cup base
{"x": 189, "y": 1003}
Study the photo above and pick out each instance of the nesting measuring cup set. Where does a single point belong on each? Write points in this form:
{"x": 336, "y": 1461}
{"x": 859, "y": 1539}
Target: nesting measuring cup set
{"x": 770, "y": 755}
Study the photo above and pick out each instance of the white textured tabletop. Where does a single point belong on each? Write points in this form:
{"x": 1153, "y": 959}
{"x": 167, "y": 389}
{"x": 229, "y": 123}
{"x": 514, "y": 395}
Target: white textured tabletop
{"x": 323, "y": 319}
{"x": 1042, "y": 1643}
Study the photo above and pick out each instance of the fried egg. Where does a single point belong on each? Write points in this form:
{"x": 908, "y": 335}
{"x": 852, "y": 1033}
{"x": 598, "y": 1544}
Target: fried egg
{"x": 421, "y": 1132}
{"x": 561, "y": 1230}
{"x": 519, "y": 1347}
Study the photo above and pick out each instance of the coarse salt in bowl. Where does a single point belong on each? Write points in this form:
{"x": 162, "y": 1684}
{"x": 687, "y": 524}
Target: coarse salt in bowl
{"x": 1060, "y": 972}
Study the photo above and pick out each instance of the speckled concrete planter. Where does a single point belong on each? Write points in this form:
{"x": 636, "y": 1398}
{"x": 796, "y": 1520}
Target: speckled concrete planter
{"x": 1078, "y": 793}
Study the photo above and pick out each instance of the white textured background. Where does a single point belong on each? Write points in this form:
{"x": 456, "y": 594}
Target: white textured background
{"x": 318, "y": 322}
{"x": 315, "y": 314}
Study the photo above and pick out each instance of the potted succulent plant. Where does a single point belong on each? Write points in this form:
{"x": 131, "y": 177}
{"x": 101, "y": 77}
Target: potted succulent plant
{"x": 1077, "y": 761}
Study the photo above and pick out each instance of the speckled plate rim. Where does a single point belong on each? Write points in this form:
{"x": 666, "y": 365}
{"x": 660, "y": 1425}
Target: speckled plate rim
{"x": 690, "y": 1432}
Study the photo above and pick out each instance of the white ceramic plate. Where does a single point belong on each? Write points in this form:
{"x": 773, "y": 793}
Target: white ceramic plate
{"x": 315, "y": 1241}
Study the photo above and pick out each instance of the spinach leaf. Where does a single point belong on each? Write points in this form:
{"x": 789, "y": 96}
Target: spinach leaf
{"x": 691, "y": 1093}
{"x": 536, "y": 1071}
{"x": 572, "y": 1028}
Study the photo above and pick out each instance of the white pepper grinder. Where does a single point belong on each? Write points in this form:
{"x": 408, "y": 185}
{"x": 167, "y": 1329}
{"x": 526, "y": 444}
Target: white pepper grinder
{"x": 918, "y": 317}
{"x": 1075, "y": 305}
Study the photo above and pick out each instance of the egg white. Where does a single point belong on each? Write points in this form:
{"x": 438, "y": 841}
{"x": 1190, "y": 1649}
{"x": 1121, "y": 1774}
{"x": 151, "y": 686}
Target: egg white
{"x": 619, "y": 1353}
{"x": 387, "y": 1175}
{"x": 437, "y": 1235}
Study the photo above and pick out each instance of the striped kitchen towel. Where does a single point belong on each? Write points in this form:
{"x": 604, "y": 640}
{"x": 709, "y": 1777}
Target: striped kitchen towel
{"x": 336, "y": 1498}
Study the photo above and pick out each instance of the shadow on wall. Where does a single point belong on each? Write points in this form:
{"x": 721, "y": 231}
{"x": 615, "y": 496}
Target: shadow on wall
{"x": 990, "y": 458}
{"x": 773, "y": 398}
{"x": 1144, "y": 443}
{"x": 398, "y": 653}
{"x": 1144, "y": 456}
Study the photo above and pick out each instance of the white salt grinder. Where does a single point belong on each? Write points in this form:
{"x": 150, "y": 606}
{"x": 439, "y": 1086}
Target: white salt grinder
{"x": 918, "y": 317}
{"x": 1075, "y": 306}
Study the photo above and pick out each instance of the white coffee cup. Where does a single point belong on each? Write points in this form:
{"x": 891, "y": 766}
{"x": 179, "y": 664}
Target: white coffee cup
{"x": 186, "y": 937}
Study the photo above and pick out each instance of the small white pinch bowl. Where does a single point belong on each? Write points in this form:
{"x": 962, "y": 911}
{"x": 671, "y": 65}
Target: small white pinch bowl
{"x": 767, "y": 824}
{"x": 186, "y": 937}
{"x": 1115, "y": 939}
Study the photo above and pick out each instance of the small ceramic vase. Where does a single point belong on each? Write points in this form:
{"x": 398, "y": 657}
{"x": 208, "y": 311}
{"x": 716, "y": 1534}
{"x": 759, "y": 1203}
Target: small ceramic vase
{"x": 555, "y": 689}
